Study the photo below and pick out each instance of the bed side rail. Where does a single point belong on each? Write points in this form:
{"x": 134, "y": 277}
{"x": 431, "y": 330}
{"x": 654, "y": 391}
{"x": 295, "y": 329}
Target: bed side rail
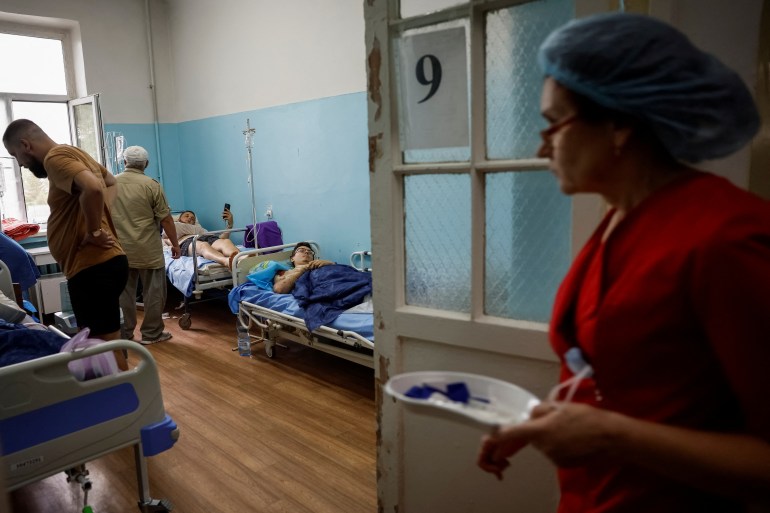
{"x": 196, "y": 275}
{"x": 67, "y": 422}
{"x": 245, "y": 260}
{"x": 348, "y": 337}
{"x": 358, "y": 260}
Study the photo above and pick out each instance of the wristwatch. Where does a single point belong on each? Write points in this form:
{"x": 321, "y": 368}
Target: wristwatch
{"x": 96, "y": 233}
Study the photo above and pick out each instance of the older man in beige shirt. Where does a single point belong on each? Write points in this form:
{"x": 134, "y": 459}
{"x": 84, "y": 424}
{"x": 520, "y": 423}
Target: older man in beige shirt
{"x": 139, "y": 212}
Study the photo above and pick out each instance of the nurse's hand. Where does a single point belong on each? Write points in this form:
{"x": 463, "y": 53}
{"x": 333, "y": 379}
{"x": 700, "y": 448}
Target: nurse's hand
{"x": 569, "y": 434}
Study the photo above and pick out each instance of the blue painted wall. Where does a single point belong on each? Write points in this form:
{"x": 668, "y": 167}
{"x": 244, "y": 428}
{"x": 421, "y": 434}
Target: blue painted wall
{"x": 310, "y": 162}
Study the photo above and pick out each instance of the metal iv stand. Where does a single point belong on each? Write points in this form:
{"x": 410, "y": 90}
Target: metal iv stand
{"x": 249, "y": 133}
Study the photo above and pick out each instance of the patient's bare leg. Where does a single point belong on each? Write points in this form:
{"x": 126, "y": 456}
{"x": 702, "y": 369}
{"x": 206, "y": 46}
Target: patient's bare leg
{"x": 225, "y": 246}
{"x": 205, "y": 250}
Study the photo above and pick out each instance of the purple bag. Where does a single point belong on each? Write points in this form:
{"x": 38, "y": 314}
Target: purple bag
{"x": 268, "y": 234}
{"x": 101, "y": 364}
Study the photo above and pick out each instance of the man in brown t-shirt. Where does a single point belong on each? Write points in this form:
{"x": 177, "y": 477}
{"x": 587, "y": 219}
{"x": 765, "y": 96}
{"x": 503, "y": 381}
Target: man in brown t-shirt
{"x": 81, "y": 235}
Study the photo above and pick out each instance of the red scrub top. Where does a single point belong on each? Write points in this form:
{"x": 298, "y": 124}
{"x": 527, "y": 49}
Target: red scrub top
{"x": 673, "y": 313}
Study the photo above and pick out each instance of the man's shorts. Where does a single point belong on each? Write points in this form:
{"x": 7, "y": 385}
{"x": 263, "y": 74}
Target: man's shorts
{"x": 184, "y": 246}
{"x": 95, "y": 294}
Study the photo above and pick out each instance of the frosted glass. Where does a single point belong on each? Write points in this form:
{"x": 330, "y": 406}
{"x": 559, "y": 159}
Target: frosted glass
{"x": 513, "y": 79}
{"x": 437, "y": 225}
{"x": 528, "y": 227}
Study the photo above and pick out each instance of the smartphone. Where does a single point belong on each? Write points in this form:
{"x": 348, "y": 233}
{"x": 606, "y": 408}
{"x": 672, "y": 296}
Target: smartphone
{"x": 227, "y": 206}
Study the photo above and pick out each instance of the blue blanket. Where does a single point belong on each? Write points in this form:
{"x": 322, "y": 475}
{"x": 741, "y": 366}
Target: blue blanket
{"x": 19, "y": 343}
{"x": 21, "y": 264}
{"x": 358, "y": 319}
{"x": 326, "y": 292}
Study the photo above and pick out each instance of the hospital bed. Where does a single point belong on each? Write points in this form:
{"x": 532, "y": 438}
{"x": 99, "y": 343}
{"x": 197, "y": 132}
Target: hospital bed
{"x": 193, "y": 275}
{"x": 275, "y": 316}
{"x": 50, "y": 422}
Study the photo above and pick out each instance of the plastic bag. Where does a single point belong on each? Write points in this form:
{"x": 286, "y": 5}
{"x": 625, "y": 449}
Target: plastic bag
{"x": 91, "y": 367}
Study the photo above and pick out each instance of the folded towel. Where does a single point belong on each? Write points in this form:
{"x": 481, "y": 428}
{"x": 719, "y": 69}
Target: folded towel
{"x": 18, "y": 230}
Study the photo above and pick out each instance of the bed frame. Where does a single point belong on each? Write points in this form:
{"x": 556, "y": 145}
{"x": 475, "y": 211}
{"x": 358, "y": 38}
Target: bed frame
{"x": 219, "y": 279}
{"x": 51, "y": 423}
{"x": 275, "y": 326}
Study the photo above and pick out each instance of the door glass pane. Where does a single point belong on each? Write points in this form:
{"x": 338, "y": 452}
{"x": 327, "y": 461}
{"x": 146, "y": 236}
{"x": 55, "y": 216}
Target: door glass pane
{"x": 527, "y": 253}
{"x": 513, "y": 79}
{"x": 411, "y": 8}
{"x": 32, "y": 65}
{"x": 437, "y": 224}
{"x": 432, "y": 86}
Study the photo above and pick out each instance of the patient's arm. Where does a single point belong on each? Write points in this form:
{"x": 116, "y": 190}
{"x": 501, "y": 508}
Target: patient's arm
{"x": 315, "y": 264}
{"x": 228, "y": 217}
{"x": 284, "y": 283}
{"x": 169, "y": 235}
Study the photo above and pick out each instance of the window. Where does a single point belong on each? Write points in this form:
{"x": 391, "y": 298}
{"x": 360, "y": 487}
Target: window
{"x": 37, "y": 89}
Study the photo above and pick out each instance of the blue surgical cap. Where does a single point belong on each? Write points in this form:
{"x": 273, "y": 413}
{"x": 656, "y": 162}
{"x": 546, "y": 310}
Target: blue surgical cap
{"x": 696, "y": 106}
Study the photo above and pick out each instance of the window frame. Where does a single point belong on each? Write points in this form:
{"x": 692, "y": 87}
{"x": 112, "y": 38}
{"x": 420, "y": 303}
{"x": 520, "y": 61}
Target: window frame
{"x": 64, "y": 36}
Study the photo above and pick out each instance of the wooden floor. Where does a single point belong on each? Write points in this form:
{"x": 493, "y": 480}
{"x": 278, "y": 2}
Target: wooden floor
{"x": 293, "y": 434}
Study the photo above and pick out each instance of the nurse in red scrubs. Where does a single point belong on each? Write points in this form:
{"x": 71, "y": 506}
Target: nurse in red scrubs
{"x": 663, "y": 322}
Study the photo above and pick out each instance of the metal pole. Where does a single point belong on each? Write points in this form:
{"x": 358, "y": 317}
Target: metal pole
{"x": 249, "y": 132}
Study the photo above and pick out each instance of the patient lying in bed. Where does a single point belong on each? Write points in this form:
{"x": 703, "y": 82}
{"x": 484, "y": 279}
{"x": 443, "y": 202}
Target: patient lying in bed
{"x": 321, "y": 293}
{"x": 218, "y": 248}
{"x": 302, "y": 260}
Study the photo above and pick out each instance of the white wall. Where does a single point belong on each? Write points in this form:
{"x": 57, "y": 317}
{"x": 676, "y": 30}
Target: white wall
{"x": 233, "y": 56}
{"x": 114, "y": 47}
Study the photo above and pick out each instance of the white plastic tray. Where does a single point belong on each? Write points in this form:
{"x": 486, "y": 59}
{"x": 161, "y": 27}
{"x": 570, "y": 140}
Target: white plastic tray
{"x": 496, "y": 402}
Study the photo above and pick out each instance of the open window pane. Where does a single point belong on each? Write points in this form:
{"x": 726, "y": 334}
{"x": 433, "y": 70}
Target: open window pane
{"x": 437, "y": 210}
{"x": 54, "y": 120}
{"x": 36, "y": 198}
{"x": 527, "y": 253}
{"x": 51, "y": 117}
{"x": 86, "y": 132}
{"x": 32, "y": 65}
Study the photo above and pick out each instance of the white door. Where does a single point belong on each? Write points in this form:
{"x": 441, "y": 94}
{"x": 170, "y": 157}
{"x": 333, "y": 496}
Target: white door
{"x": 470, "y": 235}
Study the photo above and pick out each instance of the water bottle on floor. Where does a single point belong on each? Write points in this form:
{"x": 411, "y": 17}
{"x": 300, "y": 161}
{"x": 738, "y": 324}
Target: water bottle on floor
{"x": 244, "y": 341}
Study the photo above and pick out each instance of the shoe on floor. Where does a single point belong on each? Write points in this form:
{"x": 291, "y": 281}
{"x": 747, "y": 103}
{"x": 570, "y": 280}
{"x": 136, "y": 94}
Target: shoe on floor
{"x": 163, "y": 337}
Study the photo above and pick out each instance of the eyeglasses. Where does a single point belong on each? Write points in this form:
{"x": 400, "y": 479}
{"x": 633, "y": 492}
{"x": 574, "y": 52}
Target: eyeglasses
{"x": 552, "y": 129}
{"x": 304, "y": 250}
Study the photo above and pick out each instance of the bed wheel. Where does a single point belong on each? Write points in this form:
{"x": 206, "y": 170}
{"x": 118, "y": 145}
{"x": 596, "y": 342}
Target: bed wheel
{"x": 270, "y": 350}
{"x": 185, "y": 322}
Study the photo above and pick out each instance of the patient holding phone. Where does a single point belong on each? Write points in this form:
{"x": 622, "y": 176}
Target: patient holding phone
{"x": 218, "y": 248}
